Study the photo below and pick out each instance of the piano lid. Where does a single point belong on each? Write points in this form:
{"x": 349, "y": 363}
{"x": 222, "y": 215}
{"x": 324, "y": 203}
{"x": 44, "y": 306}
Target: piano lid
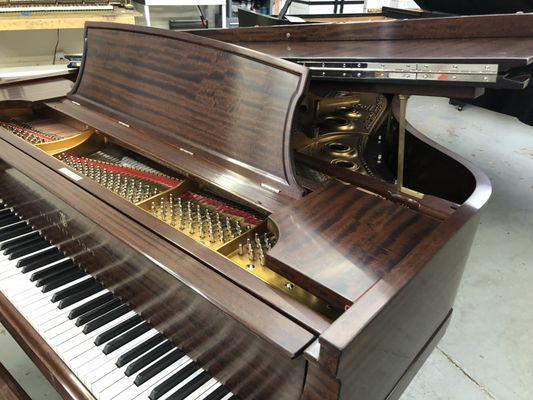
{"x": 211, "y": 109}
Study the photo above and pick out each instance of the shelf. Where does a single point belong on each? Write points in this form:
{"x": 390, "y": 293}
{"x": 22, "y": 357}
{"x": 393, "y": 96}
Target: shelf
{"x": 64, "y": 20}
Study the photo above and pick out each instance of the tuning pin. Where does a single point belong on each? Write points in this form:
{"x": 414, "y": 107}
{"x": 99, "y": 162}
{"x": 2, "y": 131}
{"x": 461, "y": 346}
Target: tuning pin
{"x": 257, "y": 240}
{"x": 262, "y": 259}
{"x": 152, "y": 208}
{"x": 240, "y": 251}
{"x": 201, "y": 229}
{"x": 238, "y": 228}
{"x": 250, "y": 249}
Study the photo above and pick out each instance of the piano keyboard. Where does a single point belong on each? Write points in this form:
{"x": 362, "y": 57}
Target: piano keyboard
{"x": 106, "y": 344}
{"x": 51, "y": 8}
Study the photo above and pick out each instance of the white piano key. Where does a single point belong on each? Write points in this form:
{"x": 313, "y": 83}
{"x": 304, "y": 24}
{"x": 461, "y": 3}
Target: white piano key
{"x": 146, "y": 391}
{"x": 77, "y": 362}
{"x": 99, "y": 380}
{"x": 142, "y": 391}
{"x": 64, "y": 336}
{"x": 209, "y": 390}
{"x": 198, "y": 393}
{"x": 107, "y": 361}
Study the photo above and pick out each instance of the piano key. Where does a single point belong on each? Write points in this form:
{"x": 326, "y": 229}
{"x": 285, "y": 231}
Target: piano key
{"x": 110, "y": 358}
{"x": 194, "y": 388}
{"x": 53, "y": 273}
{"x": 51, "y": 270}
{"x": 126, "y": 338}
{"x": 173, "y": 381}
{"x": 218, "y": 394}
{"x": 117, "y": 330}
{"x": 63, "y": 280}
{"x": 86, "y": 307}
{"x": 71, "y": 346}
{"x": 36, "y": 261}
{"x": 77, "y": 297}
{"x": 104, "y": 319}
{"x": 141, "y": 392}
{"x": 9, "y": 220}
{"x": 69, "y": 291}
{"x": 14, "y": 232}
{"x": 8, "y": 244}
{"x": 98, "y": 311}
{"x": 50, "y": 307}
{"x": 149, "y": 357}
{"x": 29, "y": 249}
{"x": 158, "y": 366}
{"x": 68, "y": 330}
{"x": 139, "y": 350}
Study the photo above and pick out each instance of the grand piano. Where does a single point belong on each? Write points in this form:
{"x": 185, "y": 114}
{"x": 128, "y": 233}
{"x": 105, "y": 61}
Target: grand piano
{"x": 243, "y": 214}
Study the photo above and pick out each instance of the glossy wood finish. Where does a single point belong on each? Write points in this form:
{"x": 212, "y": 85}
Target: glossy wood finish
{"x": 396, "y": 262}
{"x": 204, "y": 103}
{"x": 163, "y": 285}
{"x": 275, "y": 298}
{"x": 9, "y": 387}
{"x": 507, "y": 52}
{"x": 340, "y": 231}
{"x": 372, "y": 345}
{"x": 472, "y": 27}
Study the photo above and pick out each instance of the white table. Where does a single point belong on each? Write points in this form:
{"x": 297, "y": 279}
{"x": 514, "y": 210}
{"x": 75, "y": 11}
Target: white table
{"x": 148, "y": 3}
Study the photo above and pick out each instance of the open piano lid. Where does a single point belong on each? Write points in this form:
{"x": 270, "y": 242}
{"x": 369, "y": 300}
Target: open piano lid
{"x": 210, "y": 109}
{"x": 475, "y": 7}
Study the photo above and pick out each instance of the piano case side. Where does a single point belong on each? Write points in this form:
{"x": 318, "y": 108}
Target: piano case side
{"x": 214, "y": 104}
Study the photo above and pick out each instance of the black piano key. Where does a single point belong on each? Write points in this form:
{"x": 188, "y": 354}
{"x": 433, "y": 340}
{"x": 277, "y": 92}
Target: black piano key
{"x": 106, "y": 318}
{"x": 74, "y": 298}
{"x": 173, "y": 381}
{"x": 149, "y": 357}
{"x": 80, "y": 310}
{"x": 78, "y": 287}
{"x": 117, "y": 330}
{"x": 48, "y": 271}
{"x": 29, "y": 249}
{"x": 139, "y": 350}
{"x": 24, "y": 242}
{"x": 126, "y": 338}
{"x": 4, "y": 211}
{"x": 57, "y": 274}
{"x": 36, "y": 261}
{"x": 8, "y": 227}
{"x": 98, "y": 311}
{"x": 158, "y": 366}
{"x": 8, "y": 220}
{"x": 218, "y": 394}
{"x": 16, "y": 231}
{"x": 8, "y": 244}
{"x": 190, "y": 387}
{"x": 63, "y": 280}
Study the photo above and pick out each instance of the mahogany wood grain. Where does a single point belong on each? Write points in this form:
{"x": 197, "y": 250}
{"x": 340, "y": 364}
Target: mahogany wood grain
{"x": 159, "y": 150}
{"x": 285, "y": 304}
{"x": 473, "y": 27}
{"x": 206, "y": 101}
{"x": 371, "y": 346}
{"x": 9, "y": 387}
{"x": 339, "y": 241}
{"x": 160, "y": 284}
{"x": 507, "y": 52}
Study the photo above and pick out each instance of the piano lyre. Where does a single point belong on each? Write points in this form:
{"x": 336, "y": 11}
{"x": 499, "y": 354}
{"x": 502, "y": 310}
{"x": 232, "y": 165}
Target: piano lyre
{"x": 195, "y": 219}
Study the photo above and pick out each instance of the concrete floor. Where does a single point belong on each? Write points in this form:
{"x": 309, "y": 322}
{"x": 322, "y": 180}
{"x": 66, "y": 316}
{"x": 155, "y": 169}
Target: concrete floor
{"x": 487, "y": 352}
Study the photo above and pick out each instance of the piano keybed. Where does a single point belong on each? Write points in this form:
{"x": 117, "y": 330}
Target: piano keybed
{"x": 234, "y": 231}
